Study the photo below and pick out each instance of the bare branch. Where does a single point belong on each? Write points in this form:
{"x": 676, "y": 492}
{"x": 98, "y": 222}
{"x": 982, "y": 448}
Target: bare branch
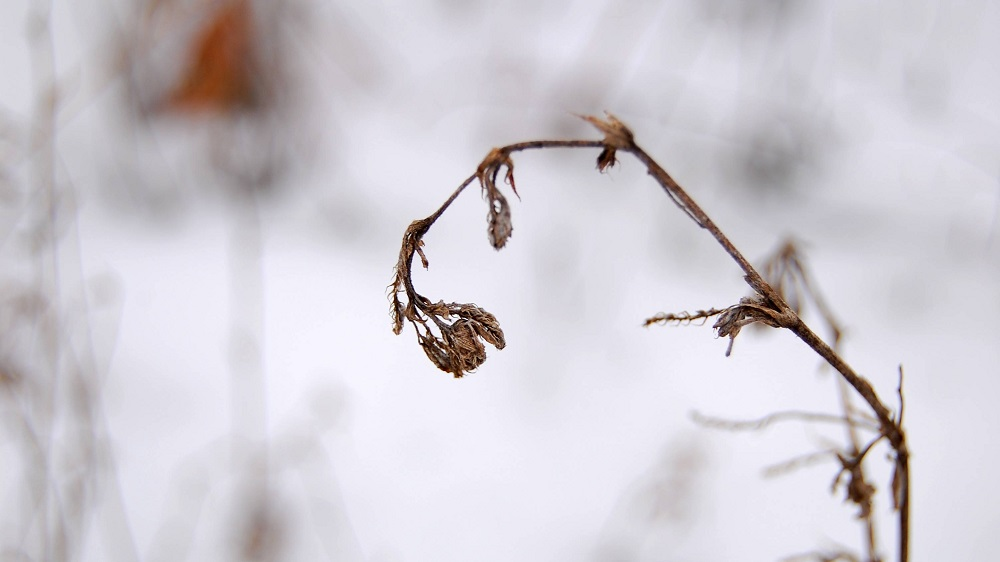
{"x": 801, "y": 461}
{"x": 770, "y": 419}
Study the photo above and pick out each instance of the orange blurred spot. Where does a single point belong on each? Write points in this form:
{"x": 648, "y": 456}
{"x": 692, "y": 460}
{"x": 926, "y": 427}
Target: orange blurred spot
{"x": 220, "y": 74}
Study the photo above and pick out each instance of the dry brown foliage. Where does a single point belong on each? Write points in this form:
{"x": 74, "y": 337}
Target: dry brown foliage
{"x": 451, "y": 334}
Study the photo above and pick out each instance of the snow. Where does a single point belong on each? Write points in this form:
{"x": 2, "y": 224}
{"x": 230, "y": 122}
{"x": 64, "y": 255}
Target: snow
{"x": 228, "y": 344}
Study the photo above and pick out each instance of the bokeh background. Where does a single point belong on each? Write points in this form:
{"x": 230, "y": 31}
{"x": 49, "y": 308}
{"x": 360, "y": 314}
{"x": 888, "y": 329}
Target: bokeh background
{"x": 201, "y": 204}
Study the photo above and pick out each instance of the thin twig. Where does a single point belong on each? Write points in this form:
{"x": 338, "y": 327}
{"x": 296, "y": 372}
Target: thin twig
{"x": 766, "y": 421}
{"x": 800, "y": 461}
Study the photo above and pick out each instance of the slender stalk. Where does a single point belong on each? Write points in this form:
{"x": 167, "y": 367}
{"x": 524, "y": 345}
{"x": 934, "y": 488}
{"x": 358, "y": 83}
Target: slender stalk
{"x": 771, "y": 310}
{"x": 889, "y": 427}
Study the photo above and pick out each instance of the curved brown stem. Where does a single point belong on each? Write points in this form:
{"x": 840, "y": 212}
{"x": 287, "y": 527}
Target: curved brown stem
{"x": 768, "y": 306}
{"x": 787, "y": 318}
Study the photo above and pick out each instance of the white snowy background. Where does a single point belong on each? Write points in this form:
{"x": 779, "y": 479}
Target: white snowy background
{"x": 240, "y": 362}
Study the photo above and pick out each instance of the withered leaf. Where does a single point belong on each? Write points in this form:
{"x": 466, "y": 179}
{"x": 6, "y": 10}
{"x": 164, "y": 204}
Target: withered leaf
{"x": 498, "y": 219}
{"x": 606, "y": 159}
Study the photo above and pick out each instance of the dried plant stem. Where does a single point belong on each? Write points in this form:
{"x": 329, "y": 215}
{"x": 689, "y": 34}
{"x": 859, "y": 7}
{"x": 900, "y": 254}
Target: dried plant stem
{"x": 458, "y": 351}
{"x": 787, "y": 318}
{"x": 684, "y": 201}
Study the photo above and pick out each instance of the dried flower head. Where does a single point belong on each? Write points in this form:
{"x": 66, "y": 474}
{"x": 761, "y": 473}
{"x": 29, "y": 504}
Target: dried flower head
{"x": 459, "y": 348}
{"x": 498, "y": 218}
{"x": 452, "y": 335}
{"x": 750, "y": 310}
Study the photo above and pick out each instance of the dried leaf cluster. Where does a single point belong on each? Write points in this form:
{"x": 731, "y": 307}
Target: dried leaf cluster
{"x": 452, "y": 335}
